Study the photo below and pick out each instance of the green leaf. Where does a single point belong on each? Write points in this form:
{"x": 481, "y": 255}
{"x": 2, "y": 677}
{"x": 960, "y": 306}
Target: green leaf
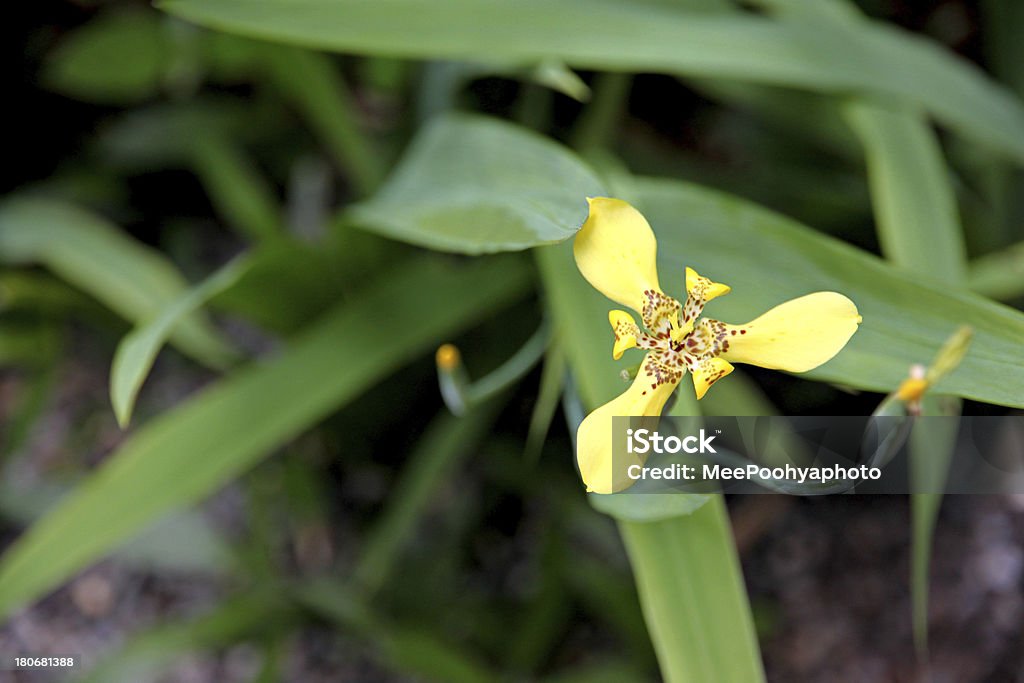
{"x": 837, "y": 57}
{"x": 477, "y": 185}
{"x": 549, "y": 395}
{"x": 134, "y": 280}
{"x": 691, "y": 590}
{"x": 768, "y": 258}
{"x": 915, "y": 206}
{"x": 190, "y": 451}
{"x": 114, "y": 59}
{"x": 137, "y": 351}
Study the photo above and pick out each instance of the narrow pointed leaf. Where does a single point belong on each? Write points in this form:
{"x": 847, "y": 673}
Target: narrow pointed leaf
{"x": 190, "y": 451}
{"x": 82, "y": 248}
{"x": 137, "y": 351}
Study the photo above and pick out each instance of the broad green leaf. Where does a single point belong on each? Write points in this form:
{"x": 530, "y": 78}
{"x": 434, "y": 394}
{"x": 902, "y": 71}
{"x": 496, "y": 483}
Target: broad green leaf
{"x": 137, "y": 351}
{"x": 185, "y": 454}
{"x": 134, "y": 280}
{"x": 691, "y": 590}
{"x": 477, "y": 185}
{"x": 767, "y": 259}
{"x": 864, "y": 57}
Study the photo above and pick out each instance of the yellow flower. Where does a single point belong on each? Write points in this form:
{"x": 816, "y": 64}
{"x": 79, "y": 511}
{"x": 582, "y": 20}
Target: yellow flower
{"x": 615, "y": 251}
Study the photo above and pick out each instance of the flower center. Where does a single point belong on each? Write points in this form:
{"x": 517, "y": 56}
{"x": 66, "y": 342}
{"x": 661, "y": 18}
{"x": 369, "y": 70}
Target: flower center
{"x": 677, "y": 337}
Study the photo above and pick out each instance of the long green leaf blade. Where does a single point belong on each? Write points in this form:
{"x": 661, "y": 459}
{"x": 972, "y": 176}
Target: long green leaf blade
{"x": 137, "y": 351}
{"x": 692, "y": 593}
{"x": 133, "y": 280}
{"x": 915, "y": 207}
{"x": 188, "y": 452}
{"x": 873, "y": 59}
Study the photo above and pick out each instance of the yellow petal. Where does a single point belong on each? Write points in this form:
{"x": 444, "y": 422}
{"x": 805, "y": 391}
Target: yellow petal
{"x": 646, "y": 396}
{"x": 615, "y": 250}
{"x": 795, "y": 336}
{"x": 699, "y": 291}
{"x": 626, "y": 332}
{"x": 707, "y": 372}
{"x": 703, "y": 288}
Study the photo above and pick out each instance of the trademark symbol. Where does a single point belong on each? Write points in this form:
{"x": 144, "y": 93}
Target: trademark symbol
{"x": 718, "y": 431}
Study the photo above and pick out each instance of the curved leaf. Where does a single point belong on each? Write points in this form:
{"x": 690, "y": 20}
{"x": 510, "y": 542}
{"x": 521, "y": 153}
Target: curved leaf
{"x": 132, "y": 279}
{"x": 477, "y": 185}
{"x": 137, "y": 351}
{"x": 837, "y": 57}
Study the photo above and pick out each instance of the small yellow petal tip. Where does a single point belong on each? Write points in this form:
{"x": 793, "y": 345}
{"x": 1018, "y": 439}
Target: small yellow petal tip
{"x": 626, "y": 331}
{"x": 912, "y": 389}
{"x": 704, "y": 288}
{"x": 448, "y": 357}
{"x": 707, "y": 373}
